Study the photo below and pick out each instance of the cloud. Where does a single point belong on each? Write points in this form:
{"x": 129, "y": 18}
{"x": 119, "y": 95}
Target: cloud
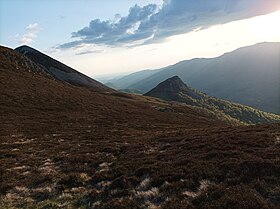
{"x": 31, "y": 34}
{"x": 90, "y": 52}
{"x": 154, "y": 23}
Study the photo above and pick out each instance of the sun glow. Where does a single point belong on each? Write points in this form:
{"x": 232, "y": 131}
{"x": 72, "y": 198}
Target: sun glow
{"x": 210, "y": 42}
{"x": 267, "y": 26}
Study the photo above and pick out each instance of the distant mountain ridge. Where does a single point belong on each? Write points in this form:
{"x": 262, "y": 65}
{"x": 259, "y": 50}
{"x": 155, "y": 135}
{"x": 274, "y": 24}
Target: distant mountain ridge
{"x": 131, "y": 79}
{"x": 60, "y": 71}
{"x": 248, "y": 75}
{"x": 174, "y": 89}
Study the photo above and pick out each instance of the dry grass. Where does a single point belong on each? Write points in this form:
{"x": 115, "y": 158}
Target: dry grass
{"x": 64, "y": 146}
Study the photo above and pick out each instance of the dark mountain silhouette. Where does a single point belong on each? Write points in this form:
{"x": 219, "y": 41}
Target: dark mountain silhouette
{"x": 249, "y": 76}
{"x": 17, "y": 62}
{"x": 171, "y": 88}
{"x": 59, "y": 70}
{"x": 174, "y": 89}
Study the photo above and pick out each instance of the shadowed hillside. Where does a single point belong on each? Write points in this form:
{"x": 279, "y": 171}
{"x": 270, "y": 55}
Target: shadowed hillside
{"x": 173, "y": 89}
{"x": 59, "y": 70}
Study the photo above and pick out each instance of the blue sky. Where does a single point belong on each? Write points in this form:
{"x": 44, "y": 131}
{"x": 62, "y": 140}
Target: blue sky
{"x": 56, "y": 19}
{"x": 113, "y": 36}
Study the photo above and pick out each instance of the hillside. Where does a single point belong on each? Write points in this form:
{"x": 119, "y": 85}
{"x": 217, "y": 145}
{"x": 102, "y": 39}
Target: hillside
{"x": 67, "y": 146}
{"x": 18, "y": 63}
{"x": 59, "y": 70}
{"x": 174, "y": 89}
{"x": 249, "y": 76}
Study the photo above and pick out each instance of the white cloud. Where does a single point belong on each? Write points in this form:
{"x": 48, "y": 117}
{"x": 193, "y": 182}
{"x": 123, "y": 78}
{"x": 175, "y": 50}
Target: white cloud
{"x": 30, "y": 35}
{"x": 154, "y": 23}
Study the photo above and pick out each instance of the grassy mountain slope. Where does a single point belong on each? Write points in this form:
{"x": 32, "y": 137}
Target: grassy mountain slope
{"x": 173, "y": 89}
{"x": 66, "y": 146}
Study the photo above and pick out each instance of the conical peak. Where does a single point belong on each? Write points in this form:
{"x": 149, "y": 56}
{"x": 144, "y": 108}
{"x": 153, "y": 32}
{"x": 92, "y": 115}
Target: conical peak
{"x": 174, "y": 84}
{"x": 25, "y": 49}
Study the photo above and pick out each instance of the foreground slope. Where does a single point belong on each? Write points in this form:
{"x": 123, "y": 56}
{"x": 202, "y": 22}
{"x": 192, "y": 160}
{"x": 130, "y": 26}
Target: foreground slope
{"x": 249, "y": 76}
{"x": 174, "y": 89}
{"x": 59, "y": 70}
{"x": 67, "y": 146}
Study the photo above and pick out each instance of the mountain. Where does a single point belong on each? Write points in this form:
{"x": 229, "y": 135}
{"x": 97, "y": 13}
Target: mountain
{"x": 128, "y": 80}
{"x": 59, "y": 70}
{"x": 174, "y": 89}
{"x": 67, "y": 146}
{"x": 12, "y": 60}
{"x": 249, "y": 76}
{"x": 28, "y": 90}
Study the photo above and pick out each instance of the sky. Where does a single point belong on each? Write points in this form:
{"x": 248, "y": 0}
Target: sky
{"x": 117, "y": 36}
